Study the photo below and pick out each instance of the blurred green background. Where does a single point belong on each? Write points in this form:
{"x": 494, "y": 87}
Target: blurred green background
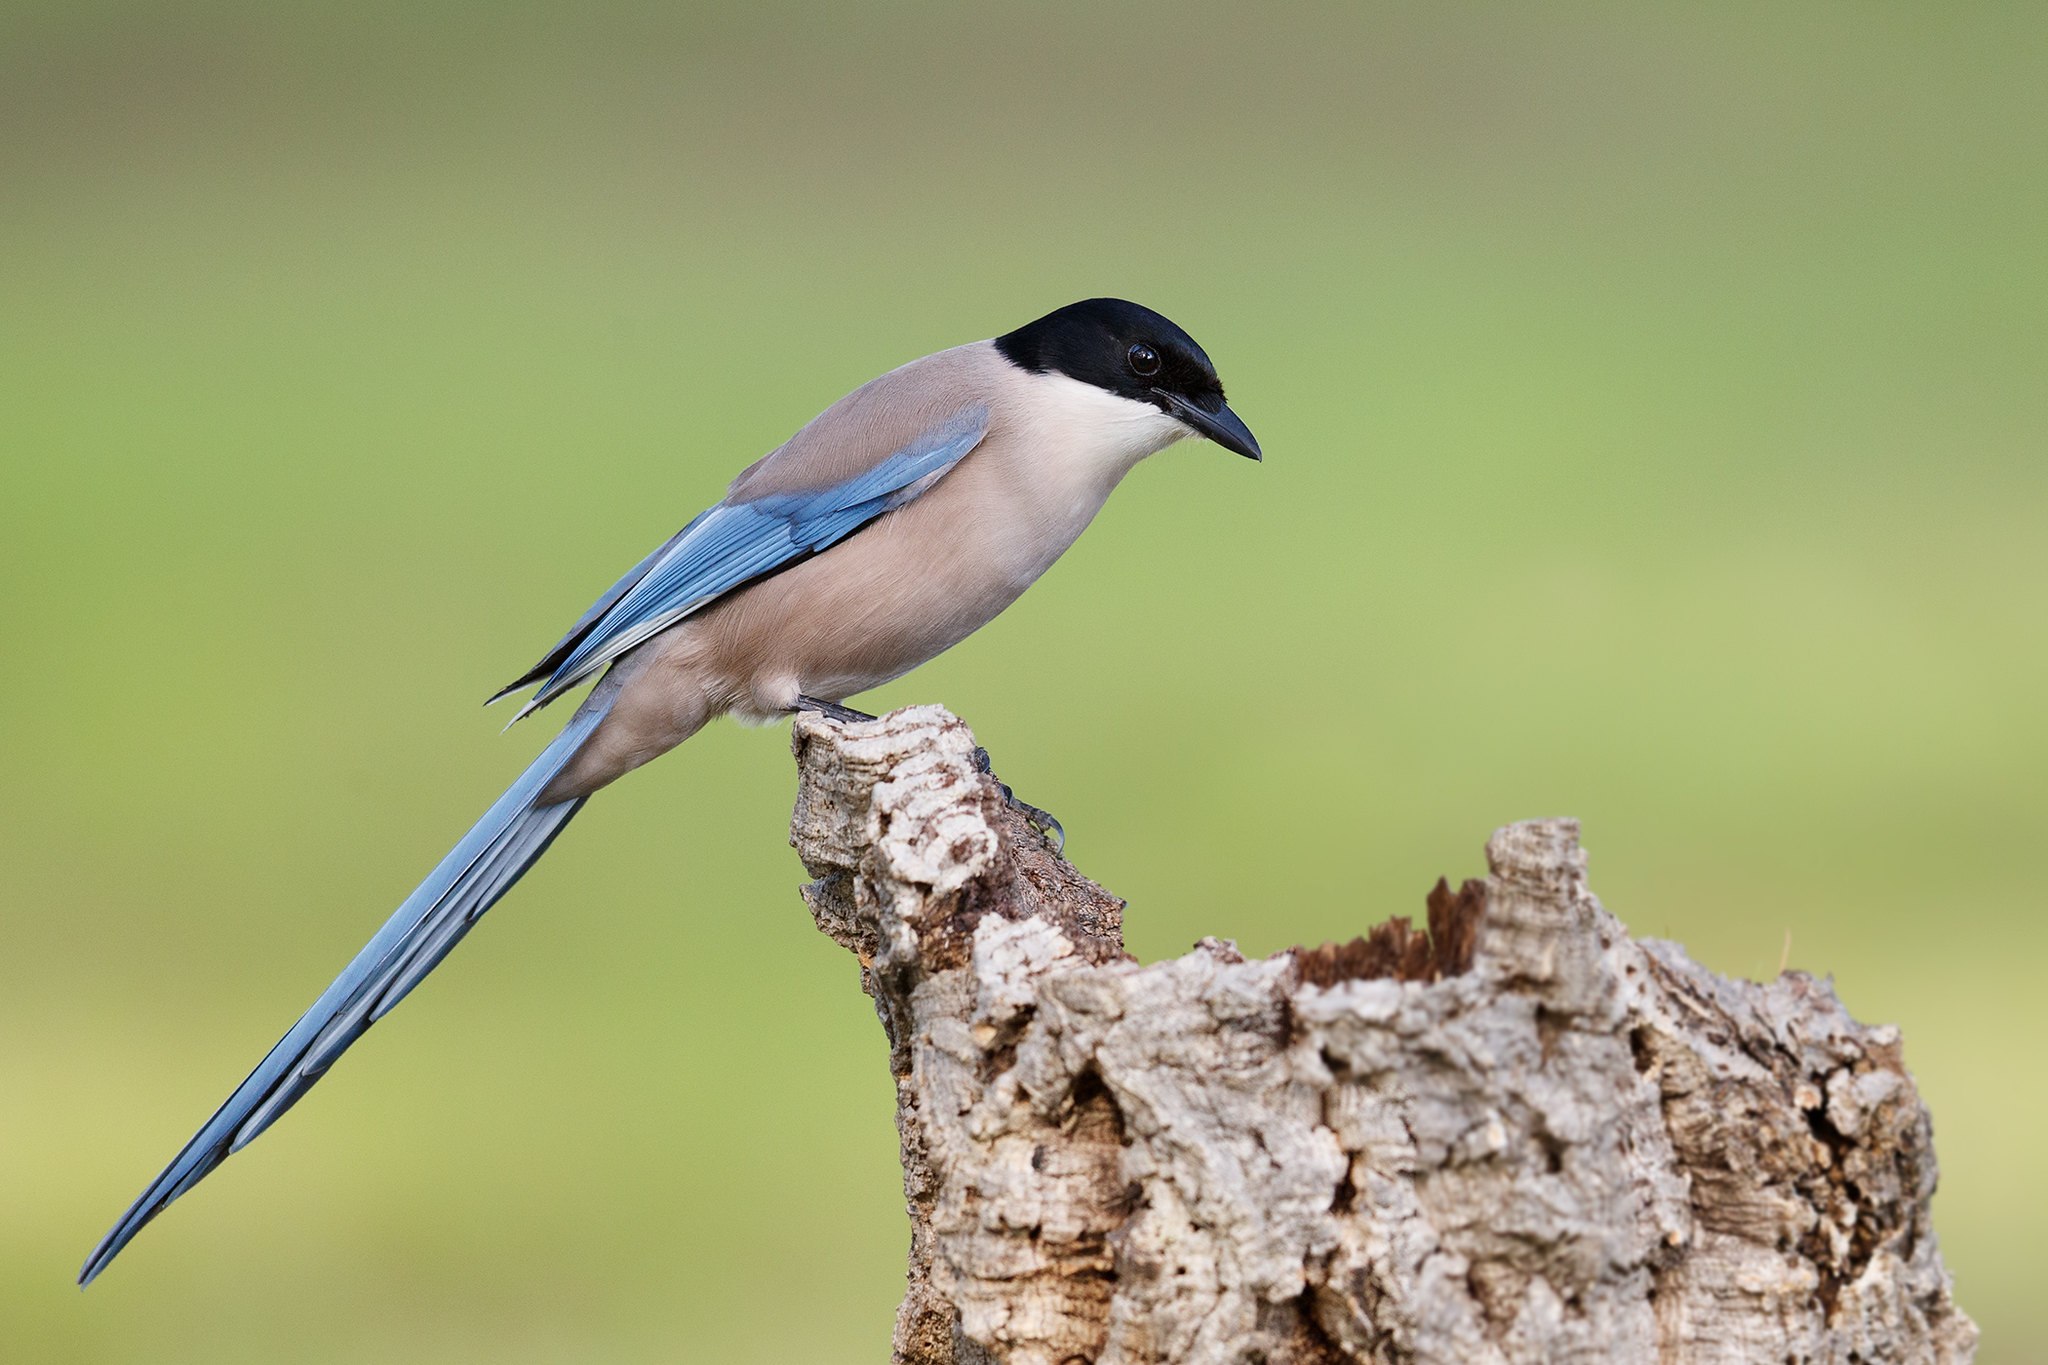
{"x": 1655, "y": 411}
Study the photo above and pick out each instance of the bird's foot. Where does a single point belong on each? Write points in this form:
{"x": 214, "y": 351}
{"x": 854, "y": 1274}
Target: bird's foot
{"x": 831, "y": 710}
{"x": 1047, "y": 825}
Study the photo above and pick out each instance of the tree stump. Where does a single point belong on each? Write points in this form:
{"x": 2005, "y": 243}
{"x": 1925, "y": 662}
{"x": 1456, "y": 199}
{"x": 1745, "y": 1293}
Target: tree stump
{"x": 1517, "y": 1135}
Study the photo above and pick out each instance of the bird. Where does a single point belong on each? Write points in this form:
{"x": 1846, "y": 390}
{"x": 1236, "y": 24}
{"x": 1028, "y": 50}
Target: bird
{"x": 897, "y": 522}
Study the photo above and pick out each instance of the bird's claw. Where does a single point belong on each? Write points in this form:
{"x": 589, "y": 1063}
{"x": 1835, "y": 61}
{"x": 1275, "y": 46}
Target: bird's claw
{"x": 1048, "y": 826}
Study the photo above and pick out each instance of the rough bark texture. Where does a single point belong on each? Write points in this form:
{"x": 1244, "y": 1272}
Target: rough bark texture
{"x": 1520, "y": 1136}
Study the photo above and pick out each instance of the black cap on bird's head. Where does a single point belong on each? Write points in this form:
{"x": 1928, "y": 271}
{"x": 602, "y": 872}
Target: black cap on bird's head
{"x": 1134, "y": 353}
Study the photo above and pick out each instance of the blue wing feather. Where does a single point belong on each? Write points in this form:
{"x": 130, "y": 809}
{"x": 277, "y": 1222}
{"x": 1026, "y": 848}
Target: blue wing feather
{"x": 737, "y": 542}
{"x": 552, "y": 660}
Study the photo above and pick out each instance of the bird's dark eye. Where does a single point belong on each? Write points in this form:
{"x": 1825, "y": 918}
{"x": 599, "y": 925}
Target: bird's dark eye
{"x": 1144, "y": 360}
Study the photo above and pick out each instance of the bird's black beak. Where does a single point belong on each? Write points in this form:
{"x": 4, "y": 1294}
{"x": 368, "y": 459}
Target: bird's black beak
{"x": 1218, "y": 424}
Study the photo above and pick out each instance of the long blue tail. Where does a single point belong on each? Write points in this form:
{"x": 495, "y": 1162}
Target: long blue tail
{"x": 490, "y": 858}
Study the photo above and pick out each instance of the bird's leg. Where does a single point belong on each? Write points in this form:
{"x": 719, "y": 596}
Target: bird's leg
{"x": 831, "y": 710}
{"x": 1041, "y": 820}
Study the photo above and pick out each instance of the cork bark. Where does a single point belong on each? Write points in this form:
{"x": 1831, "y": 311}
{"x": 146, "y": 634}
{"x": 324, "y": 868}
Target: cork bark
{"x": 1515, "y": 1134}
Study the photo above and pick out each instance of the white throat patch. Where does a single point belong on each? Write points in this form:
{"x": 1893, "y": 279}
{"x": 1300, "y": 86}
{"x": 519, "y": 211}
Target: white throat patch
{"x": 1098, "y": 428}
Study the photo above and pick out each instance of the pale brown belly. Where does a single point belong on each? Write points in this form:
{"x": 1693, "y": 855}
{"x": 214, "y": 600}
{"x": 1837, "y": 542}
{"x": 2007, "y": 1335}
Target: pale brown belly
{"x": 868, "y": 610}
